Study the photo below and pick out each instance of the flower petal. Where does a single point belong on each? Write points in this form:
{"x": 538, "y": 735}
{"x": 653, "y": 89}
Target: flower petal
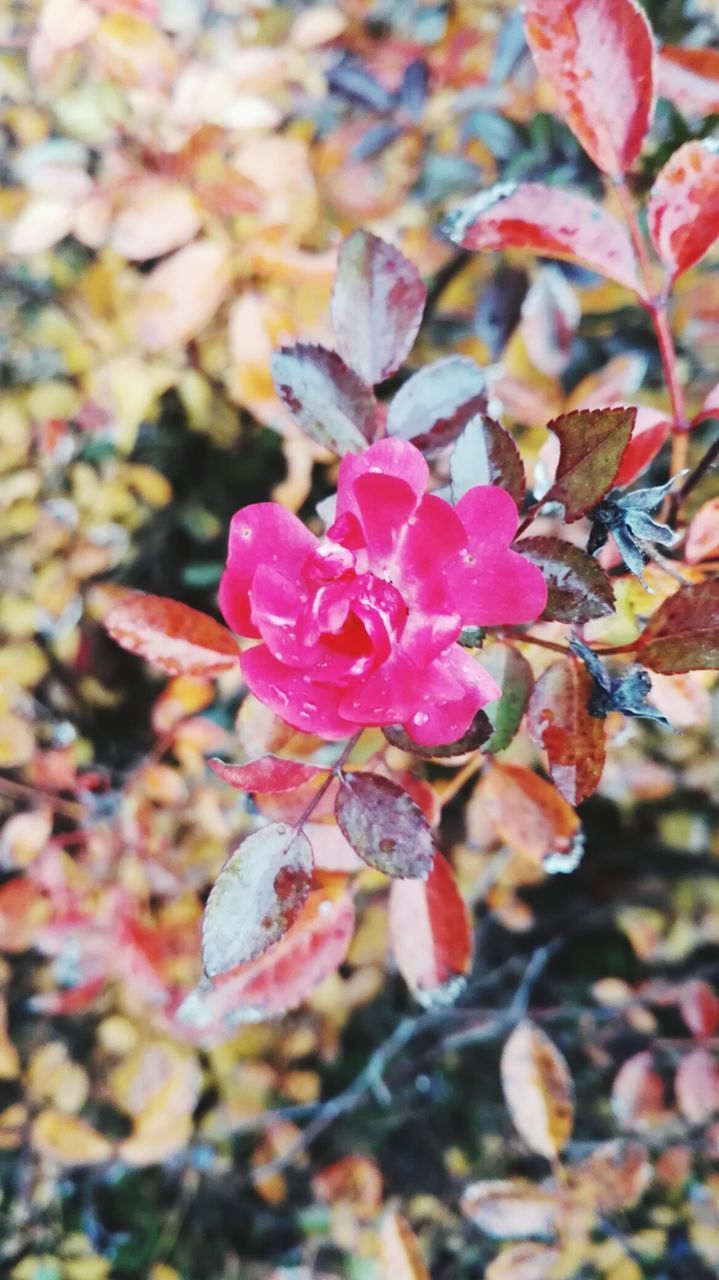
{"x": 293, "y": 695}
{"x": 384, "y": 504}
{"x": 276, "y": 609}
{"x": 489, "y": 515}
{"x": 396, "y": 689}
{"x": 498, "y": 587}
{"x": 388, "y": 457}
{"x": 438, "y": 720}
{"x": 264, "y": 533}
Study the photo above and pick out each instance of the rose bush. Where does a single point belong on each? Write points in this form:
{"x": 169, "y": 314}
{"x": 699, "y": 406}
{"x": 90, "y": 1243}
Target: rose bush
{"x": 360, "y": 628}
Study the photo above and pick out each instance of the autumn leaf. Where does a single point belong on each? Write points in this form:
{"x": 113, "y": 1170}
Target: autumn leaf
{"x": 267, "y": 773}
{"x": 400, "y": 1255}
{"x": 331, "y": 403}
{"x": 431, "y": 933}
{"x": 68, "y": 1141}
{"x": 683, "y": 634}
{"x": 548, "y": 221}
{"x": 598, "y": 56}
{"x": 515, "y": 679}
{"x": 377, "y": 306}
{"x": 258, "y": 894}
{"x": 384, "y": 825}
{"x": 538, "y": 1090}
{"x": 172, "y": 636}
{"x": 558, "y": 719}
{"x": 486, "y": 454}
{"x": 526, "y": 1261}
{"x": 683, "y": 208}
{"x": 510, "y": 1210}
{"x": 689, "y": 78}
{"x": 592, "y": 443}
{"x": 531, "y": 815}
{"x": 578, "y": 590}
{"x": 433, "y": 407}
{"x": 696, "y": 1086}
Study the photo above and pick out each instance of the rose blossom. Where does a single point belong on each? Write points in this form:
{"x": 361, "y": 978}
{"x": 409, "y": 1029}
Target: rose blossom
{"x": 359, "y": 628}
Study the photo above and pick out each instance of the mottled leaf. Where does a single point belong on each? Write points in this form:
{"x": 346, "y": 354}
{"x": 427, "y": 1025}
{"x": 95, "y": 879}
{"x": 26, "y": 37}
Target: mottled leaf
{"x": 515, "y": 678}
{"x": 614, "y": 1177}
{"x": 384, "y": 826}
{"x": 696, "y": 1086}
{"x": 598, "y": 56}
{"x": 434, "y": 406}
{"x": 530, "y": 815}
{"x": 176, "y": 638}
{"x": 550, "y": 222}
{"x": 537, "y": 1087}
{"x": 431, "y": 933}
{"x": 258, "y": 894}
{"x": 683, "y": 208}
{"x": 578, "y": 589}
{"x": 400, "y": 1254}
{"x": 683, "y": 634}
{"x": 558, "y": 719}
{"x": 268, "y": 773}
{"x": 510, "y": 1210}
{"x": 282, "y": 977}
{"x": 486, "y": 454}
{"x": 690, "y": 79}
{"x": 592, "y": 442}
{"x": 329, "y": 400}
{"x": 377, "y": 306}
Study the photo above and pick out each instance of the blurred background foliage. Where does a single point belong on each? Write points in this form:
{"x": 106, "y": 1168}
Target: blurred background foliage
{"x": 176, "y": 178}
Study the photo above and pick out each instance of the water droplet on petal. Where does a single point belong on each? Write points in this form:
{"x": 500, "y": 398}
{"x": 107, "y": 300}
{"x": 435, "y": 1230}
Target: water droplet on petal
{"x": 420, "y": 718}
{"x": 245, "y": 533}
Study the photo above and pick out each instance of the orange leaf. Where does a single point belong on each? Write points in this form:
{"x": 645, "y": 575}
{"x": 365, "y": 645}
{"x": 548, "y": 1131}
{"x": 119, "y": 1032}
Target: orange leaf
{"x": 399, "y": 1251}
{"x": 174, "y": 637}
{"x": 538, "y": 1090}
{"x": 530, "y": 815}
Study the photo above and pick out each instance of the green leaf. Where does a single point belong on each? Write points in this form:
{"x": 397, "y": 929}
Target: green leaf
{"x": 329, "y": 400}
{"x": 486, "y": 454}
{"x": 592, "y": 443}
{"x": 384, "y": 826}
{"x": 683, "y": 635}
{"x": 578, "y": 589}
{"x": 514, "y": 677}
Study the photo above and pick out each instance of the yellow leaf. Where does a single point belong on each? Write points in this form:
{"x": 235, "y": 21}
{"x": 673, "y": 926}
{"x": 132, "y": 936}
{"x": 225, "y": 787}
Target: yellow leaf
{"x": 400, "y": 1253}
{"x": 68, "y": 1141}
{"x": 538, "y": 1090}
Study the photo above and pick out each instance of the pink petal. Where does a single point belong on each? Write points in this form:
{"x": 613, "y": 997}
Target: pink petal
{"x": 499, "y": 587}
{"x": 438, "y": 720}
{"x": 391, "y": 693}
{"x": 489, "y": 515}
{"x": 427, "y": 561}
{"x": 384, "y": 504}
{"x": 389, "y": 457}
{"x": 276, "y": 609}
{"x": 264, "y": 533}
{"x": 293, "y": 696}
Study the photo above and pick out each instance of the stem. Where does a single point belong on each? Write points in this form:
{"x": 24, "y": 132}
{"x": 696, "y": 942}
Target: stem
{"x": 463, "y": 775}
{"x": 656, "y": 308}
{"x": 538, "y": 641}
{"x": 699, "y": 471}
{"x": 335, "y": 772}
{"x": 20, "y": 791}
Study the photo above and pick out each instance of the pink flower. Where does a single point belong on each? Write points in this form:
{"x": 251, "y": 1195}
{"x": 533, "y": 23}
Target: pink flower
{"x": 360, "y": 627}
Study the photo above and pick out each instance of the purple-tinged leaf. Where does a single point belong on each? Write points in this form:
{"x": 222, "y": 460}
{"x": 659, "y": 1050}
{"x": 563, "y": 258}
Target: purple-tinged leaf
{"x": 328, "y": 399}
{"x": 683, "y": 634}
{"x": 515, "y": 678}
{"x": 377, "y": 306}
{"x": 578, "y": 589}
{"x": 256, "y": 897}
{"x": 592, "y": 443}
{"x": 268, "y": 773}
{"x": 486, "y": 454}
{"x": 435, "y": 404}
{"x": 384, "y": 826}
{"x": 559, "y": 720}
{"x": 549, "y": 221}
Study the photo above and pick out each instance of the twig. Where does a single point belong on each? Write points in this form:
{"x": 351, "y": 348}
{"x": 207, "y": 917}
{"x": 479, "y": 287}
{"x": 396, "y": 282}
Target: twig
{"x": 705, "y": 463}
{"x": 443, "y": 279}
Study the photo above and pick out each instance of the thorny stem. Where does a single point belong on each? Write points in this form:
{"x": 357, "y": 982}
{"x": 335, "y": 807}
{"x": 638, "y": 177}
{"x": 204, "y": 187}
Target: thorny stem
{"x": 656, "y": 308}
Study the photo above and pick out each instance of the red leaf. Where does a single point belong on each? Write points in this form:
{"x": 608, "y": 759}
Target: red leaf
{"x": 703, "y": 534}
{"x": 268, "y": 773}
{"x": 683, "y": 634}
{"x": 329, "y": 400}
{"x": 690, "y": 79}
{"x": 699, "y": 1008}
{"x": 598, "y": 56}
{"x": 256, "y": 897}
{"x": 637, "y": 1093}
{"x": 578, "y": 590}
{"x": 558, "y": 720}
{"x": 174, "y": 637}
{"x": 431, "y": 932}
{"x": 280, "y": 979}
{"x": 530, "y": 815}
{"x": 650, "y": 433}
{"x": 434, "y": 406}
{"x": 683, "y": 209}
{"x": 377, "y": 306}
{"x": 696, "y": 1086}
{"x": 384, "y": 825}
{"x": 592, "y": 444}
{"x": 550, "y": 222}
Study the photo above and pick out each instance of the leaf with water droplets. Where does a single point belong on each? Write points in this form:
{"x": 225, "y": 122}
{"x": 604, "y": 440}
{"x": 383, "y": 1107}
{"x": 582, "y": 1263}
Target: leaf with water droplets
{"x": 176, "y": 638}
{"x": 256, "y": 897}
{"x": 683, "y": 634}
{"x": 578, "y": 590}
{"x": 384, "y": 826}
